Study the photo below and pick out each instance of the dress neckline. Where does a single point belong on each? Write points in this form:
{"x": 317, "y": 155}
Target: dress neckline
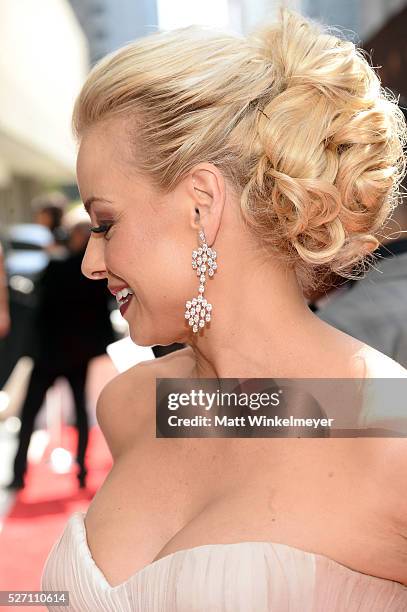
{"x": 78, "y": 523}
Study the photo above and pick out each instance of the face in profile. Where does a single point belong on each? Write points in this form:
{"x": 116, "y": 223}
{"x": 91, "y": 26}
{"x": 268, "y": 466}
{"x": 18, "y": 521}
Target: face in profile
{"x": 147, "y": 238}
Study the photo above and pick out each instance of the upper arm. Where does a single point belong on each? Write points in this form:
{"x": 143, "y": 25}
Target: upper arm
{"x": 124, "y": 405}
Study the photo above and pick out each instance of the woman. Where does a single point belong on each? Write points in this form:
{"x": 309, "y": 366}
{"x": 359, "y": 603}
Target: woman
{"x": 281, "y": 154}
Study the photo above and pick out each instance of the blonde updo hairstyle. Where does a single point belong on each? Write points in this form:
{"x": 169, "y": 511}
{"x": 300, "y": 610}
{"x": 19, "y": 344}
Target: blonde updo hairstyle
{"x": 293, "y": 116}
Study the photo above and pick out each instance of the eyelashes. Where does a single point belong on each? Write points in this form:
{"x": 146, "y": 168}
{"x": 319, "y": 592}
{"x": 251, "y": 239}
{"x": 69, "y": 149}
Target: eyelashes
{"x": 101, "y": 229}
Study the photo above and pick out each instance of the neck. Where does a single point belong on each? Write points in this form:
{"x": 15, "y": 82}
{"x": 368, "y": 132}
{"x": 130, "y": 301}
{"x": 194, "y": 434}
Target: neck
{"x": 261, "y": 323}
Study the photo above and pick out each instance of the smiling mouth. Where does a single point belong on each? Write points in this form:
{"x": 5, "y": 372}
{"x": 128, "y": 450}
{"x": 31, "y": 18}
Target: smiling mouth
{"x": 123, "y": 296}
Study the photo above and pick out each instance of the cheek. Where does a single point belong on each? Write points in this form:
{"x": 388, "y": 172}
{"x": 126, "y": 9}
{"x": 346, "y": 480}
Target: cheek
{"x": 170, "y": 271}
{"x": 118, "y": 253}
{"x": 157, "y": 268}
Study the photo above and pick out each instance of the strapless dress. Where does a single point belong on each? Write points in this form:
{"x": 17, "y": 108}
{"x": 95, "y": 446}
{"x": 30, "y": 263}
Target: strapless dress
{"x": 236, "y": 577}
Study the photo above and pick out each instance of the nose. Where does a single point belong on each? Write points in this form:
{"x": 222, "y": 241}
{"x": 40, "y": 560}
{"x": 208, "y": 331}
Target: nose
{"x": 93, "y": 262}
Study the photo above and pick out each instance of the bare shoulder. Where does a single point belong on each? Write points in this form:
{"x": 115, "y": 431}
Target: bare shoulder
{"x": 385, "y": 393}
{"x": 128, "y": 399}
{"x": 379, "y": 365}
{"x": 353, "y": 358}
{"x": 385, "y": 410}
{"x": 384, "y": 405}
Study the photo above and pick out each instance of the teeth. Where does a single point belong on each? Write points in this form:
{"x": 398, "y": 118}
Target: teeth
{"x": 122, "y": 294}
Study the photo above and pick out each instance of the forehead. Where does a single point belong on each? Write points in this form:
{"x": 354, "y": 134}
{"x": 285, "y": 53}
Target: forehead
{"x": 104, "y": 144}
{"x": 107, "y": 166}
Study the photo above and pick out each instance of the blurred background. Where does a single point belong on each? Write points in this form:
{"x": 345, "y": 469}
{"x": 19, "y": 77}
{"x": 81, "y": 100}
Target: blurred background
{"x": 52, "y": 455}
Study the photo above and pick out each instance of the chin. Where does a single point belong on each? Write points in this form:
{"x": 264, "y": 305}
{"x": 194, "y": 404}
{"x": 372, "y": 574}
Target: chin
{"x": 142, "y": 336}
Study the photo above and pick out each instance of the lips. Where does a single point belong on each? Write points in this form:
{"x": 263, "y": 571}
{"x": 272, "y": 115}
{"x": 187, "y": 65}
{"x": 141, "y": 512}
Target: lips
{"x": 125, "y": 304}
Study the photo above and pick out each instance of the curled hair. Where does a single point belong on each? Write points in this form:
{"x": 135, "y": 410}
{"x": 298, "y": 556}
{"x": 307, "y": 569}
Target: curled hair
{"x": 294, "y": 117}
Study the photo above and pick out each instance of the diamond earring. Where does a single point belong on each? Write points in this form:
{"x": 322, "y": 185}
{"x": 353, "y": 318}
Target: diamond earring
{"x": 198, "y": 310}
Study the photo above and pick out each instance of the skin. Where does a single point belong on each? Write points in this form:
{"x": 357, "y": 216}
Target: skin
{"x": 323, "y": 496}
{"x": 267, "y": 327}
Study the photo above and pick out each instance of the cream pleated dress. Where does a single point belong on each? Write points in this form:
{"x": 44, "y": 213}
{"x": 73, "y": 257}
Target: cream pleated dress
{"x": 237, "y": 577}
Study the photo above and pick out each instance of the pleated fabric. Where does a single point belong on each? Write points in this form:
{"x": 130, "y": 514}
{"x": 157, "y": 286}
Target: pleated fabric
{"x": 238, "y": 577}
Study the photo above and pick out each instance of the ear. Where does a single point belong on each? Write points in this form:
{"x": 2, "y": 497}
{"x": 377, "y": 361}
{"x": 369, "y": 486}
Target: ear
{"x": 207, "y": 188}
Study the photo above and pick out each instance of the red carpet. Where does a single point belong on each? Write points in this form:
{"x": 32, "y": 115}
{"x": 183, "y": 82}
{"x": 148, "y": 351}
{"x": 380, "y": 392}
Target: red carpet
{"x": 41, "y": 510}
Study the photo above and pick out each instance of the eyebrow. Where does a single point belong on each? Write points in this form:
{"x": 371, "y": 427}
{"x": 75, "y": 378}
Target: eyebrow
{"x": 92, "y": 199}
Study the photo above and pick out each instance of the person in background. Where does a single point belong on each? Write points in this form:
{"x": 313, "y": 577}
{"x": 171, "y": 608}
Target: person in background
{"x": 4, "y": 304}
{"x": 72, "y": 325}
{"x": 48, "y": 210}
{"x": 374, "y": 309}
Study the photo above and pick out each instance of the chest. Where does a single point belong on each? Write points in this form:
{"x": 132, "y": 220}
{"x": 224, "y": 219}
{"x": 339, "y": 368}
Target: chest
{"x": 167, "y": 494}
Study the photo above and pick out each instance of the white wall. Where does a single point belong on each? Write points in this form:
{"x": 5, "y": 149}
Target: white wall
{"x": 251, "y": 12}
{"x": 238, "y": 15}
{"x": 43, "y": 61}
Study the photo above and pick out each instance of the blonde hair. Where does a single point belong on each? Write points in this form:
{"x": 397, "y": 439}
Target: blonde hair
{"x": 293, "y": 116}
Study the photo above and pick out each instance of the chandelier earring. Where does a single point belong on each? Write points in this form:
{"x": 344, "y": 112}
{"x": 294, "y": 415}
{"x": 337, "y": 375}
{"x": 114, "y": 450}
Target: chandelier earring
{"x": 198, "y": 310}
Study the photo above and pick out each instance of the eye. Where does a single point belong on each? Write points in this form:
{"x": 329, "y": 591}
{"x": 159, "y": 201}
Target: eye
{"x": 101, "y": 229}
